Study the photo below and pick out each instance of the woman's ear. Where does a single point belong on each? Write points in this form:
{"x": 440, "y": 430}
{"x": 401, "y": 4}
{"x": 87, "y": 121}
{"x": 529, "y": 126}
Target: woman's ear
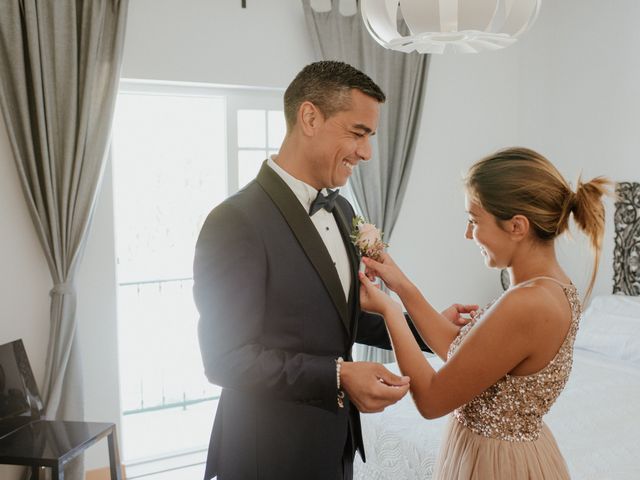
{"x": 309, "y": 118}
{"x": 518, "y": 227}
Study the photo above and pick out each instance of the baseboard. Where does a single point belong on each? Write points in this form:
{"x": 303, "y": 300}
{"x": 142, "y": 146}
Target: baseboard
{"x": 102, "y": 474}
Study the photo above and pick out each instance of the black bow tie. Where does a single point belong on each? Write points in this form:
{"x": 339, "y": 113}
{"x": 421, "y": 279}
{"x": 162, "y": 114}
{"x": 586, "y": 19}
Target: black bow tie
{"x": 327, "y": 202}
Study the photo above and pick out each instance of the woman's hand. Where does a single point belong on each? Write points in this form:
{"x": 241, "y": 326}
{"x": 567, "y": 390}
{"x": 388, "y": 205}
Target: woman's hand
{"x": 387, "y": 270}
{"x": 374, "y": 300}
{"x": 457, "y": 314}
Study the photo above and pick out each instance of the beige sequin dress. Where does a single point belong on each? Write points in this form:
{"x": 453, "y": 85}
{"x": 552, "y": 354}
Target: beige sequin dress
{"x": 500, "y": 433}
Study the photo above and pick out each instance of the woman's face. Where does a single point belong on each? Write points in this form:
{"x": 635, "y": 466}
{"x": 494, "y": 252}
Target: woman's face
{"x": 494, "y": 242}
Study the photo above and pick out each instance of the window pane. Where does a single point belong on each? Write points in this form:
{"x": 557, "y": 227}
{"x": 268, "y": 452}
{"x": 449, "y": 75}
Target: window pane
{"x": 169, "y": 171}
{"x": 169, "y": 162}
{"x": 249, "y": 163}
{"x": 277, "y": 128}
{"x": 252, "y": 129}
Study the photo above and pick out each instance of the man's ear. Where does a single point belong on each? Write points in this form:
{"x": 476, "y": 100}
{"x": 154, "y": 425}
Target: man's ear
{"x": 518, "y": 227}
{"x": 309, "y": 118}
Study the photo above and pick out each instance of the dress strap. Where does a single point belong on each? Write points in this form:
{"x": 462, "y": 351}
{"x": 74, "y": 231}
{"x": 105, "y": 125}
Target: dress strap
{"x": 542, "y": 277}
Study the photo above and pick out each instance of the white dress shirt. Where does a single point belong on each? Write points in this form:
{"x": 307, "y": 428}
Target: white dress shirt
{"x": 324, "y": 222}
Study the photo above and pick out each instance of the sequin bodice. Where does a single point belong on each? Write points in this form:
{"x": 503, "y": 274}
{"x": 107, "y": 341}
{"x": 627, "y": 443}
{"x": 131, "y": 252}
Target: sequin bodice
{"x": 512, "y": 408}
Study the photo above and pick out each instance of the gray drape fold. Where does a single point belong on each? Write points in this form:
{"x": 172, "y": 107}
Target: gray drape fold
{"x": 60, "y": 62}
{"x": 379, "y": 185}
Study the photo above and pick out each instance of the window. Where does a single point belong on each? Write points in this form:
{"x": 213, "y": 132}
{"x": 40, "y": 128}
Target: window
{"x": 260, "y": 133}
{"x": 178, "y": 151}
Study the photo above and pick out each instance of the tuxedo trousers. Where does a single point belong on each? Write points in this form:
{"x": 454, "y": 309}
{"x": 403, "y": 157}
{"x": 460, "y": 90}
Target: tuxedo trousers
{"x": 345, "y": 469}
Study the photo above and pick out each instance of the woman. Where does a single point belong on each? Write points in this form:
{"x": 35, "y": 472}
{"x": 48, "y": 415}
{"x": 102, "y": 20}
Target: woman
{"x": 504, "y": 369}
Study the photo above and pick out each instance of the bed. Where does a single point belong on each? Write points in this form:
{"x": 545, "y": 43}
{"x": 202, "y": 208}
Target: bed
{"x": 595, "y": 420}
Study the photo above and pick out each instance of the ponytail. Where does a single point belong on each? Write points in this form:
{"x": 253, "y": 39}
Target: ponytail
{"x": 588, "y": 212}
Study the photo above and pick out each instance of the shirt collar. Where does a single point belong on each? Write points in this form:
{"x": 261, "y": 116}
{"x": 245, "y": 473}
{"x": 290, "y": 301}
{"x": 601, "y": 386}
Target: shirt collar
{"x": 303, "y": 191}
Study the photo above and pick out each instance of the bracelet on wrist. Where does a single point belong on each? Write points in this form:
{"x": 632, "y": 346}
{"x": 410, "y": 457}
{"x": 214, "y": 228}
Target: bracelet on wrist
{"x": 340, "y": 396}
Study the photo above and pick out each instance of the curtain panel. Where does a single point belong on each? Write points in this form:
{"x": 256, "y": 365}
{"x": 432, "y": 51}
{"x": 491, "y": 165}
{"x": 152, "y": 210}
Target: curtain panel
{"x": 60, "y": 63}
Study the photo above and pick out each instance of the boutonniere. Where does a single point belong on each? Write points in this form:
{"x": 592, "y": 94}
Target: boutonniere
{"x": 367, "y": 238}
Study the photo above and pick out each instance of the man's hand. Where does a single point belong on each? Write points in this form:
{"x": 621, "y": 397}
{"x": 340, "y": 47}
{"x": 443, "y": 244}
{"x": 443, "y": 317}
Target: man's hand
{"x": 371, "y": 387}
{"x": 456, "y": 311}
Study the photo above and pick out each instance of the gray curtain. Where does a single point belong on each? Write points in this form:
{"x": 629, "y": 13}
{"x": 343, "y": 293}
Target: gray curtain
{"x": 60, "y": 62}
{"x": 378, "y": 185}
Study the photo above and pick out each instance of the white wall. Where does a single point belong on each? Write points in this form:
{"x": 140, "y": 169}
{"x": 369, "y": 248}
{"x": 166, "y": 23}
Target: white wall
{"x": 25, "y": 311}
{"x": 216, "y": 41}
{"x": 568, "y": 88}
{"x": 579, "y": 98}
{"x": 25, "y": 281}
{"x": 470, "y": 109}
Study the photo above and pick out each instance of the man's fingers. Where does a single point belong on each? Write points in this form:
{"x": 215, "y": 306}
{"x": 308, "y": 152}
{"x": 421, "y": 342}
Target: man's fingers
{"x": 393, "y": 393}
{"x": 392, "y": 379}
{"x": 384, "y": 396}
{"x": 374, "y": 387}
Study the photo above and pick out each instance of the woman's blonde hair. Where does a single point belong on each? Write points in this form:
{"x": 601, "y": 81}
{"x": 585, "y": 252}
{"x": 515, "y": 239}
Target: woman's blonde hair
{"x": 519, "y": 181}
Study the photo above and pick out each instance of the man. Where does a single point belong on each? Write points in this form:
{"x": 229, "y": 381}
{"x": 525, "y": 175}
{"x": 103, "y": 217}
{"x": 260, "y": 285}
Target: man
{"x": 275, "y": 282}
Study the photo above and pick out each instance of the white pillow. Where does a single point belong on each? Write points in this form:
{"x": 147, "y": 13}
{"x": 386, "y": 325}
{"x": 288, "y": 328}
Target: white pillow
{"x": 611, "y": 327}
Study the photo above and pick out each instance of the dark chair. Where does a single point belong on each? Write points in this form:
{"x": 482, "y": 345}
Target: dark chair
{"x": 27, "y": 439}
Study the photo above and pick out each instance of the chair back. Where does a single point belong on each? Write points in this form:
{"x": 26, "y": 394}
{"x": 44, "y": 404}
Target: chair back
{"x": 20, "y": 401}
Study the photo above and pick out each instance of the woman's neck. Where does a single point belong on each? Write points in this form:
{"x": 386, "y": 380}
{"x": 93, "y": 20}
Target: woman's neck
{"x": 537, "y": 261}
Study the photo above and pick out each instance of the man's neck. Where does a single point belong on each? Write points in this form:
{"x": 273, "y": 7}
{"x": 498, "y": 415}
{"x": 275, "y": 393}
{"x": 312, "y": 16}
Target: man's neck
{"x": 290, "y": 158}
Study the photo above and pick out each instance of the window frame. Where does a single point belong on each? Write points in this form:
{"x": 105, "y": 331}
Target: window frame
{"x": 236, "y": 97}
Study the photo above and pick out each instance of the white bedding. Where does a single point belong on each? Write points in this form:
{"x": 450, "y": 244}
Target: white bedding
{"x": 596, "y": 422}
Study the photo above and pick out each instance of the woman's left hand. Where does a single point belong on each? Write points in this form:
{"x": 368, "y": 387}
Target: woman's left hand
{"x": 457, "y": 312}
{"x": 374, "y": 300}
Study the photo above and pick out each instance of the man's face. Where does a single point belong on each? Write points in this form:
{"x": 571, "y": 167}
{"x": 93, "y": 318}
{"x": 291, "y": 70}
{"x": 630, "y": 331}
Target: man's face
{"x": 342, "y": 141}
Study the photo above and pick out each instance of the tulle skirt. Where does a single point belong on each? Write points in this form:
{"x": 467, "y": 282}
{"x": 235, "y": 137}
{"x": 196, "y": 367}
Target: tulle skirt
{"x": 466, "y": 455}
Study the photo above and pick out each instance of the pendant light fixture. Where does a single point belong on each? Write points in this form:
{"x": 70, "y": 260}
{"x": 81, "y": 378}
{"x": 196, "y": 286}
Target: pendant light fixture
{"x": 439, "y": 26}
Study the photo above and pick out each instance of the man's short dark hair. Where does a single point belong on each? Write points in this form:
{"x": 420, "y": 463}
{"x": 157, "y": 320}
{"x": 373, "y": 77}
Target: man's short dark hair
{"x": 327, "y": 84}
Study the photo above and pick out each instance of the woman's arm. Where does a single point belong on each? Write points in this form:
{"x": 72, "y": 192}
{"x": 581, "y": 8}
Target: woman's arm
{"x": 435, "y": 329}
{"x": 494, "y": 347}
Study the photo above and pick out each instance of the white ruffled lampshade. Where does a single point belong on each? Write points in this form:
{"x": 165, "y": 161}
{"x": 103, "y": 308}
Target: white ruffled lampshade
{"x": 439, "y": 26}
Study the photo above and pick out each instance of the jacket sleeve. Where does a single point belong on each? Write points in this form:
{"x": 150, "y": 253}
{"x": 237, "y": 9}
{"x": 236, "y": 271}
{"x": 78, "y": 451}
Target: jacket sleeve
{"x": 372, "y": 331}
{"x": 230, "y": 274}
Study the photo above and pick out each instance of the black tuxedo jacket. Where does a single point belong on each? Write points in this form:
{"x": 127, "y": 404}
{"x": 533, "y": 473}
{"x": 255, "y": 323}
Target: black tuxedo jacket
{"x": 273, "y": 320}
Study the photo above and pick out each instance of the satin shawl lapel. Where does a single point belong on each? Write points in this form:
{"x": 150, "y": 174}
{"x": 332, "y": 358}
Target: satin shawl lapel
{"x": 307, "y": 235}
{"x": 354, "y": 260}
